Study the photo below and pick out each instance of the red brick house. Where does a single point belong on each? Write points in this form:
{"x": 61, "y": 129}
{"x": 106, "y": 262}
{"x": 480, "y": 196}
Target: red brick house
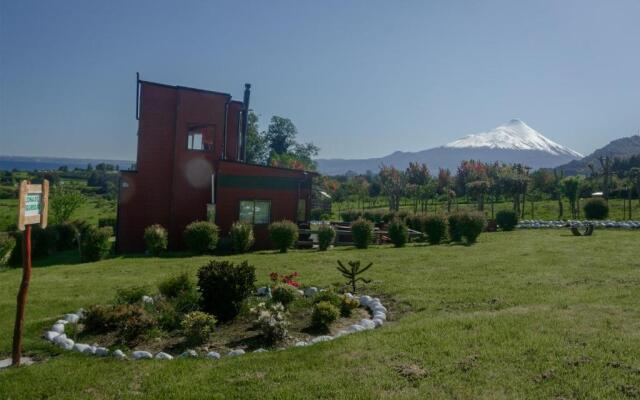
{"x": 190, "y": 166}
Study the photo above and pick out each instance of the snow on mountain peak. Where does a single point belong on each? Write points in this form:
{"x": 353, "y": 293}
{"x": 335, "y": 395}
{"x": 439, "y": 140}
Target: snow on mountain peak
{"x": 514, "y": 135}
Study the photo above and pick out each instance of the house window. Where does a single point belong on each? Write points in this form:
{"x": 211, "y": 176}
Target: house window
{"x": 302, "y": 210}
{"x": 194, "y": 141}
{"x": 255, "y": 211}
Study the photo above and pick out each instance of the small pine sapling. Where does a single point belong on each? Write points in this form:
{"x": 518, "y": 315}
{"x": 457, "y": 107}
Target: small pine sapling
{"x": 352, "y": 271}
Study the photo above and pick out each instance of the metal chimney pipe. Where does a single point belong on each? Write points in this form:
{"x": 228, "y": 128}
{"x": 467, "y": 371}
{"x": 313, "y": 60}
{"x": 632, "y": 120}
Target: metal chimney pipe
{"x": 245, "y": 120}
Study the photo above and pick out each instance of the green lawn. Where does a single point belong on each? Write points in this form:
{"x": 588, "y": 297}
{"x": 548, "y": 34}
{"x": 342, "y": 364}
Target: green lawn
{"x": 524, "y": 314}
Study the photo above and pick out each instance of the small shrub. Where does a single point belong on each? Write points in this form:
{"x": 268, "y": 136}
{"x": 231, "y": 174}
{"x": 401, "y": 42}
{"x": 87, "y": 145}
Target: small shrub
{"x": 455, "y": 230}
{"x": 201, "y": 237}
{"x": 435, "y": 227}
{"x": 328, "y": 296}
{"x": 156, "y": 239}
{"x": 283, "y": 293}
{"x": 174, "y": 286}
{"x": 471, "y": 226}
{"x": 98, "y": 319}
{"x": 67, "y": 236}
{"x": 415, "y": 222}
{"x": 197, "y": 327}
{"x": 388, "y": 216}
{"x": 131, "y": 322}
{"x": 350, "y": 215}
{"x": 131, "y": 295}
{"x": 398, "y": 233}
{"x": 596, "y": 208}
{"x": 271, "y": 321}
{"x": 347, "y": 305}
{"x": 326, "y": 236}
{"x": 241, "y": 237}
{"x": 166, "y": 314}
{"x": 362, "y": 232}
{"x": 324, "y": 313}
{"x": 283, "y": 234}
{"x": 94, "y": 244}
{"x": 373, "y": 216}
{"x": 224, "y": 286}
{"x": 187, "y": 301}
{"x": 507, "y": 219}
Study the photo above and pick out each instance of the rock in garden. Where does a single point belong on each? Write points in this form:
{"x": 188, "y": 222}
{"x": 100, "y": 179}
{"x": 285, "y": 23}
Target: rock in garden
{"x": 58, "y": 328}
{"x": 80, "y": 312}
{"x": 237, "y": 352}
{"x": 189, "y": 354}
{"x": 341, "y": 333}
{"x": 90, "y": 350}
{"x": 263, "y": 291}
{"x": 213, "y": 355}
{"x": 367, "y": 324}
{"x": 62, "y": 321}
{"x": 147, "y": 299}
{"x": 300, "y": 292}
{"x": 365, "y": 300}
{"x": 323, "y": 338}
{"x": 163, "y": 356}
{"x": 301, "y": 344}
{"x": 378, "y": 322}
{"x": 80, "y": 347}
{"x": 119, "y": 354}
{"x": 355, "y": 328}
{"x": 310, "y": 291}
{"x": 260, "y": 350}
{"x": 102, "y": 351}
{"x": 380, "y": 315}
{"x": 50, "y": 335}
{"x": 66, "y": 344}
{"x": 72, "y": 318}
{"x": 60, "y": 338}
{"x": 142, "y": 355}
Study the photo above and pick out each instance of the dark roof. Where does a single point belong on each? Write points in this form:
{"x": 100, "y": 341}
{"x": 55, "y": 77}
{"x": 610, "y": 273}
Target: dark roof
{"x": 272, "y": 167}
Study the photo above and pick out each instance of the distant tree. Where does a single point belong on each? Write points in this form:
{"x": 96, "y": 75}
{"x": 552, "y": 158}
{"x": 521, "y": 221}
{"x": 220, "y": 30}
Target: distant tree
{"x": 393, "y": 184}
{"x": 257, "y": 142}
{"x": 63, "y": 203}
{"x": 284, "y": 150}
{"x": 89, "y": 167}
{"x": 571, "y": 189}
{"x": 63, "y": 168}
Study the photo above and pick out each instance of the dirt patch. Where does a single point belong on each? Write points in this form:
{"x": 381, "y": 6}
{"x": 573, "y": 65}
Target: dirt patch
{"x": 411, "y": 372}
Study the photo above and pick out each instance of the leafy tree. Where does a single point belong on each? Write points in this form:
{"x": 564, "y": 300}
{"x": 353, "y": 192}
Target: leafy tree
{"x": 284, "y": 150}
{"x": 571, "y": 189}
{"x": 281, "y": 135}
{"x": 393, "y": 184}
{"x": 63, "y": 203}
{"x": 257, "y": 142}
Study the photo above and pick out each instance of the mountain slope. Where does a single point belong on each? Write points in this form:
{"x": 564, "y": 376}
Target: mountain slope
{"x": 512, "y": 142}
{"x": 623, "y": 147}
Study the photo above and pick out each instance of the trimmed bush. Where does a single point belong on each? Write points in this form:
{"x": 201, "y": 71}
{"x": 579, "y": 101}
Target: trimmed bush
{"x": 398, "y": 233}
{"x": 242, "y": 238}
{"x": 201, "y": 237}
{"x": 362, "y": 232}
{"x": 435, "y": 227}
{"x": 328, "y": 296}
{"x": 197, "y": 327}
{"x": 224, "y": 286}
{"x": 283, "y": 234}
{"x": 471, "y": 226}
{"x": 130, "y": 322}
{"x": 283, "y": 293}
{"x": 596, "y": 208}
{"x": 94, "y": 244}
{"x": 131, "y": 295}
{"x": 156, "y": 239}
{"x": 174, "y": 286}
{"x": 373, "y": 216}
{"x": 324, "y": 313}
{"x": 347, "y": 305}
{"x": 507, "y": 219}
{"x": 97, "y": 319}
{"x": 415, "y": 222}
{"x": 350, "y": 215}
{"x": 455, "y": 230}
{"x": 326, "y": 236}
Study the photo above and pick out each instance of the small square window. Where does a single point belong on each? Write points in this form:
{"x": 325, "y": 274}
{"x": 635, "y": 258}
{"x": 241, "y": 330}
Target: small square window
{"x": 194, "y": 141}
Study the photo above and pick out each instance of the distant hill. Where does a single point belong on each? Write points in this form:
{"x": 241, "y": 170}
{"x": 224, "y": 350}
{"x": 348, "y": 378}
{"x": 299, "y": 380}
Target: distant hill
{"x": 22, "y": 163}
{"x": 511, "y": 142}
{"x": 621, "y": 148}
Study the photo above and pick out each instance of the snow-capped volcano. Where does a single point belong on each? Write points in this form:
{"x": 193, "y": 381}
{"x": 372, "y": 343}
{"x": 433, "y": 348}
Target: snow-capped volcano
{"x": 513, "y": 135}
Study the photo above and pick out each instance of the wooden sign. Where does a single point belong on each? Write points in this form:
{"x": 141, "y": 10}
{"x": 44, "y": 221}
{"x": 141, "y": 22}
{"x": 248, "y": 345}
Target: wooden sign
{"x": 33, "y": 209}
{"x": 33, "y": 205}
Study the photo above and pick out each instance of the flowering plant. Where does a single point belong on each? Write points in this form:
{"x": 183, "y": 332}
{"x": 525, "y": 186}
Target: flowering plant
{"x": 288, "y": 279}
{"x": 271, "y": 320}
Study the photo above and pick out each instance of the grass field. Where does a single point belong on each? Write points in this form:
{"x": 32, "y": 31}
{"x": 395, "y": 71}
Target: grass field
{"x": 524, "y": 314}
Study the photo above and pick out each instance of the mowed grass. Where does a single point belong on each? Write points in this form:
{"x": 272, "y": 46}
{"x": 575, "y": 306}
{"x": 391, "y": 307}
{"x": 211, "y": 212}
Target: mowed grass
{"x": 524, "y": 314}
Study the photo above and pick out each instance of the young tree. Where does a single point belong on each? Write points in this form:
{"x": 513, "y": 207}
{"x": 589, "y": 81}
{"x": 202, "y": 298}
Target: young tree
{"x": 63, "y": 203}
{"x": 393, "y": 184}
{"x": 571, "y": 189}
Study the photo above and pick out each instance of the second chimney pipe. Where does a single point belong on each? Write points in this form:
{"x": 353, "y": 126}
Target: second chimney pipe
{"x": 245, "y": 120}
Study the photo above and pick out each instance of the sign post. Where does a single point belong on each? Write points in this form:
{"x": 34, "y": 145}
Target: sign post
{"x": 33, "y": 209}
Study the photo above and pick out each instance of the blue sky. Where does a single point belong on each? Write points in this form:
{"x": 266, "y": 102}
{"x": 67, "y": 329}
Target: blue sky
{"x": 358, "y": 78}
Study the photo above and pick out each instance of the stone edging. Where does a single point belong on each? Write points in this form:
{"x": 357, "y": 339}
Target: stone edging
{"x": 541, "y": 224}
{"x": 58, "y": 337}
